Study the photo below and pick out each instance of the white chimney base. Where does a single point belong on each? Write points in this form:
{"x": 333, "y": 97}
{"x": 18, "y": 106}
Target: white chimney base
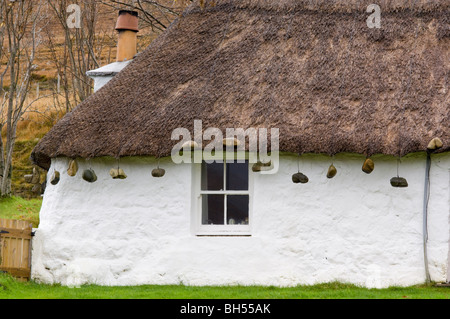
{"x": 104, "y": 74}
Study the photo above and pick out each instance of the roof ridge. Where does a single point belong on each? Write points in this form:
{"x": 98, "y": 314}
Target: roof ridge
{"x": 323, "y": 5}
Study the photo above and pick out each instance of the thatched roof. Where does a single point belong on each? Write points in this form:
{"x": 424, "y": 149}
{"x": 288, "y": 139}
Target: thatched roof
{"x": 313, "y": 69}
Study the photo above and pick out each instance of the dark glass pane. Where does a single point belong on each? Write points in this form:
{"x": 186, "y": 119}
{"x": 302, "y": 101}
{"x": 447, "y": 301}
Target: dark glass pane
{"x": 237, "y": 176}
{"x": 237, "y": 209}
{"x": 212, "y": 176}
{"x": 212, "y": 209}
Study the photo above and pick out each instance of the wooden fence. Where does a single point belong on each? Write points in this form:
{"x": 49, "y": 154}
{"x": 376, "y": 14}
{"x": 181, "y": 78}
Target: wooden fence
{"x": 15, "y": 248}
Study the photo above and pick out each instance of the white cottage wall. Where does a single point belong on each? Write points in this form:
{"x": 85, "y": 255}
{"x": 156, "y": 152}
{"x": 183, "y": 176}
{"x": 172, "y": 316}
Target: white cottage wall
{"x": 354, "y": 228}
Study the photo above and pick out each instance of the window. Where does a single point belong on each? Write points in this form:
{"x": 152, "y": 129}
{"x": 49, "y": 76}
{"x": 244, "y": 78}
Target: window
{"x": 223, "y": 198}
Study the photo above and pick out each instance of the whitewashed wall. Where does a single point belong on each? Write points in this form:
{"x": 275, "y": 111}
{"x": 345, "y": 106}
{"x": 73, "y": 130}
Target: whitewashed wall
{"x": 354, "y": 228}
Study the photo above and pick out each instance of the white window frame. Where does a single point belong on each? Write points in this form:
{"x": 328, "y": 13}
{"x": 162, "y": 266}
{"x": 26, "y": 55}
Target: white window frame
{"x": 219, "y": 230}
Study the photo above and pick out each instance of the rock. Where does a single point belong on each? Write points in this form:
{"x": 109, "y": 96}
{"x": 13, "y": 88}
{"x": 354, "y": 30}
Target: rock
{"x": 435, "y": 144}
{"x": 332, "y": 171}
{"x": 259, "y": 166}
{"x": 28, "y": 178}
{"x": 36, "y": 177}
{"x": 158, "y": 172}
{"x": 37, "y": 189}
{"x": 114, "y": 172}
{"x": 231, "y": 142}
{"x": 55, "y": 178}
{"x": 300, "y": 178}
{"x": 73, "y": 168}
{"x": 399, "y": 182}
{"x": 368, "y": 166}
{"x": 256, "y": 168}
{"x": 89, "y": 176}
{"x": 117, "y": 173}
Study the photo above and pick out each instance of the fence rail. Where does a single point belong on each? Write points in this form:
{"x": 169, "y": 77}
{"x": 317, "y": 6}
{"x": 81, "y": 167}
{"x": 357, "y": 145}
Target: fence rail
{"x": 15, "y": 248}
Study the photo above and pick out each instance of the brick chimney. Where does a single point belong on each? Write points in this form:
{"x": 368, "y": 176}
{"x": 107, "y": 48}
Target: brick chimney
{"x": 127, "y": 25}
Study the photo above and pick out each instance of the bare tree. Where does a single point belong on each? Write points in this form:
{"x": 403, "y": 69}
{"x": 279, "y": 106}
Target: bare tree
{"x": 83, "y": 47}
{"x": 20, "y": 37}
{"x": 156, "y": 14}
{"x": 21, "y": 29}
{"x": 79, "y": 54}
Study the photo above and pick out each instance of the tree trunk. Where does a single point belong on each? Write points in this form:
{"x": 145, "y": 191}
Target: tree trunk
{"x": 2, "y": 161}
{"x": 22, "y": 51}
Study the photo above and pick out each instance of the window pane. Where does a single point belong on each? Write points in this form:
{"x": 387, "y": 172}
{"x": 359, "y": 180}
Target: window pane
{"x": 237, "y": 209}
{"x": 212, "y": 209}
{"x": 212, "y": 176}
{"x": 237, "y": 176}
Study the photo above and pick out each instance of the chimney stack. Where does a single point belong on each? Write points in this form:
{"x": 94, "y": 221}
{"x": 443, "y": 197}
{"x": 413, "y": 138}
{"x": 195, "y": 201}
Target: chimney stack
{"x": 127, "y": 25}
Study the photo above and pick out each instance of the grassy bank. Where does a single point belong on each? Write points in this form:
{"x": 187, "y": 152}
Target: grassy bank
{"x": 11, "y": 289}
{"x": 21, "y": 209}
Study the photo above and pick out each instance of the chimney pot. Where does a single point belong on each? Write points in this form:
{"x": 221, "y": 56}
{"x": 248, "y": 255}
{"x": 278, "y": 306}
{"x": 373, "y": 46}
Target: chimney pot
{"x": 127, "y": 20}
{"x": 127, "y": 25}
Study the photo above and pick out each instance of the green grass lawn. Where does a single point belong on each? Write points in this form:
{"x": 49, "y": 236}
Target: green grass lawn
{"x": 20, "y": 208}
{"x": 11, "y": 289}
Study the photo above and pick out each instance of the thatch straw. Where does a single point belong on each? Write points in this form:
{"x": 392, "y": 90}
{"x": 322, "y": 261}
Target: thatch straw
{"x": 313, "y": 69}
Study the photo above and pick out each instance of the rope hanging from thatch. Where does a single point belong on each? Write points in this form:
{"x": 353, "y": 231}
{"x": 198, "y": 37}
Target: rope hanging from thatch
{"x": 398, "y": 181}
{"x": 158, "y": 172}
{"x": 401, "y": 181}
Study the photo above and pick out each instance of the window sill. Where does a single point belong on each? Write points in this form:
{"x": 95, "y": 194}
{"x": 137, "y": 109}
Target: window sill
{"x": 223, "y": 234}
